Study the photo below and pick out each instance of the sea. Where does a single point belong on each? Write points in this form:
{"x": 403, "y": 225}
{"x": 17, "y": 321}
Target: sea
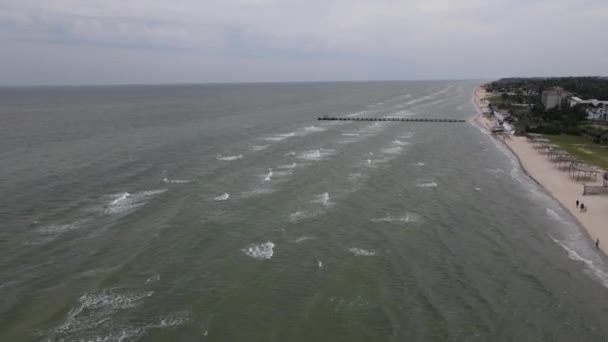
{"x": 228, "y": 212}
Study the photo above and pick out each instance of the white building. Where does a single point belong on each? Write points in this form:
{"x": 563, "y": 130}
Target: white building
{"x": 599, "y": 114}
{"x": 554, "y": 97}
{"x": 577, "y": 100}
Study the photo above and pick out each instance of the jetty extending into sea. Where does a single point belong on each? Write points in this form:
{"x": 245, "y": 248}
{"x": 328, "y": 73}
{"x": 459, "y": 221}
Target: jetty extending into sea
{"x": 338, "y": 118}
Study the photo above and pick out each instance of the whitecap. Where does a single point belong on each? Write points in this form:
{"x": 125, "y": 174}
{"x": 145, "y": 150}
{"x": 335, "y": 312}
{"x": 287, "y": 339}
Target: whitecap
{"x": 299, "y": 215}
{"x": 96, "y": 308}
{"x": 404, "y": 219}
{"x": 314, "y": 129}
{"x": 361, "y": 252}
{"x": 573, "y": 255}
{"x": 478, "y": 189}
{"x": 351, "y": 134}
{"x": 258, "y": 148}
{"x": 172, "y": 320}
{"x": 281, "y": 137}
{"x": 302, "y": 239}
{"x": 401, "y": 143}
{"x": 322, "y": 198}
{"x": 222, "y": 197}
{"x": 315, "y": 155}
{"x": 262, "y": 251}
{"x": 56, "y": 229}
{"x": 126, "y": 201}
{"x": 288, "y": 166}
{"x": 495, "y": 171}
{"x": 228, "y": 158}
{"x": 392, "y": 150}
{"x": 153, "y": 279}
{"x": 290, "y": 154}
{"x": 427, "y": 185}
{"x": 319, "y": 263}
{"x": 176, "y": 181}
{"x": 421, "y": 164}
{"x": 268, "y": 176}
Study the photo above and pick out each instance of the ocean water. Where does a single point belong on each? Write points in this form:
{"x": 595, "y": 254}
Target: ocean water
{"x": 229, "y": 213}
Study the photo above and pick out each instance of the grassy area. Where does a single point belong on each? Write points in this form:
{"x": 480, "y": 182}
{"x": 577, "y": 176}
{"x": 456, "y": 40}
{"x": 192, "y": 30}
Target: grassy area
{"x": 495, "y": 100}
{"x": 582, "y": 149}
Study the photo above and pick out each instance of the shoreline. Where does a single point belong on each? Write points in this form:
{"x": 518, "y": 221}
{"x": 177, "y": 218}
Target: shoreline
{"x": 555, "y": 183}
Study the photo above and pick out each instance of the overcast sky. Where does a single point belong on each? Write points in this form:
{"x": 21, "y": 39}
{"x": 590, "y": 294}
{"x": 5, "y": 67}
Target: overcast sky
{"x": 169, "y": 41}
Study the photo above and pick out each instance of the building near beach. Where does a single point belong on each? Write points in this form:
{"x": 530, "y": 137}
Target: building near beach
{"x": 577, "y": 101}
{"x": 555, "y": 97}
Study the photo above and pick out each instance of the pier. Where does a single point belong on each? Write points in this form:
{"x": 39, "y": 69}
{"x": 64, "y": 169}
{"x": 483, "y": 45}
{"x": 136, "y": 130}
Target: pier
{"x": 336, "y": 118}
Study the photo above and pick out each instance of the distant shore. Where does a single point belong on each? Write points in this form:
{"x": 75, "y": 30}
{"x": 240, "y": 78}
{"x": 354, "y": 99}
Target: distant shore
{"x": 555, "y": 182}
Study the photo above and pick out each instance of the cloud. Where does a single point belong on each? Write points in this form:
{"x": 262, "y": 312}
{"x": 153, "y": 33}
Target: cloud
{"x": 332, "y": 39}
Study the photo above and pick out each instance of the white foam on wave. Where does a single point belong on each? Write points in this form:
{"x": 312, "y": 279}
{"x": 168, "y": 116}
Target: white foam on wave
{"x": 478, "y": 189}
{"x": 56, "y": 229}
{"x": 126, "y": 201}
{"x": 392, "y": 150}
{"x": 153, "y": 279}
{"x": 268, "y": 176}
{"x": 495, "y": 171}
{"x": 314, "y": 129}
{"x": 573, "y": 255}
{"x": 281, "y": 137}
{"x": 223, "y": 197}
{"x": 403, "y": 219}
{"x": 414, "y": 101}
{"x": 262, "y": 251}
{"x": 361, "y": 252}
{"x": 299, "y": 215}
{"x": 555, "y": 216}
{"x": 351, "y": 134}
{"x": 319, "y": 263}
{"x": 94, "y": 309}
{"x": 175, "y": 319}
{"x": 303, "y": 238}
{"x": 420, "y": 164}
{"x": 427, "y": 185}
{"x": 176, "y": 181}
{"x": 401, "y": 143}
{"x": 315, "y": 155}
{"x": 322, "y": 198}
{"x": 258, "y": 148}
{"x": 228, "y": 158}
{"x": 290, "y": 154}
{"x": 288, "y": 166}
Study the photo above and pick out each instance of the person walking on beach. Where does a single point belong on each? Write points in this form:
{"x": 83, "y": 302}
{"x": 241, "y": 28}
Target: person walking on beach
{"x": 577, "y": 202}
{"x": 597, "y": 243}
{"x": 582, "y": 207}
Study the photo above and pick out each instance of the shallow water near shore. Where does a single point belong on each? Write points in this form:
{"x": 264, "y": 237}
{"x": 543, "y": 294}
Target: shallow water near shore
{"x": 229, "y": 213}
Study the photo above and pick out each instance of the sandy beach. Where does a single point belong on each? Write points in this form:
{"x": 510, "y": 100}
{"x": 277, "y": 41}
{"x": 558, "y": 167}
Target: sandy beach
{"x": 555, "y": 182}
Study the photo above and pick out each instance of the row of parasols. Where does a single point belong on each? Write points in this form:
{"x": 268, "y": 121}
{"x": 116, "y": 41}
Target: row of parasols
{"x": 562, "y": 159}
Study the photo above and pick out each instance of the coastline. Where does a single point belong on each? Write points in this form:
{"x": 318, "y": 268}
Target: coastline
{"x": 555, "y": 183}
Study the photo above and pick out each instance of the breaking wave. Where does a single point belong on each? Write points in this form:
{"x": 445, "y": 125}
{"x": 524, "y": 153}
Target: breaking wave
{"x": 427, "y": 185}
{"x": 407, "y": 218}
{"x": 258, "y": 148}
{"x": 268, "y": 176}
{"x": 288, "y": 166}
{"x": 392, "y": 150}
{"x": 322, "y": 198}
{"x": 281, "y": 137}
{"x": 126, "y": 201}
{"x": 222, "y": 197}
{"x": 262, "y": 251}
{"x": 228, "y": 158}
{"x": 176, "y": 181}
{"x": 361, "y": 252}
